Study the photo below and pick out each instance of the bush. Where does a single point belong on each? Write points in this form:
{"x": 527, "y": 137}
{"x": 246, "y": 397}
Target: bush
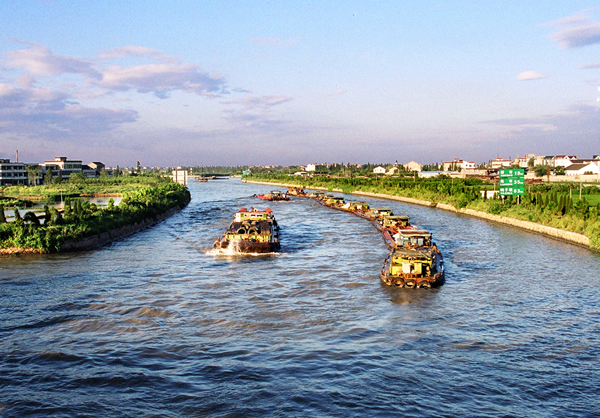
{"x": 495, "y": 208}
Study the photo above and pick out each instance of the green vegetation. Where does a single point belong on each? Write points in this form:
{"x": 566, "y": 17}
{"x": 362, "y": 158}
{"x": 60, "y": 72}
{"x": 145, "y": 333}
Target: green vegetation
{"x": 556, "y": 205}
{"x": 81, "y": 219}
{"x": 77, "y": 186}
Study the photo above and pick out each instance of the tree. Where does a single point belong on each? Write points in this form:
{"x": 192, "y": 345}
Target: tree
{"x": 138, "y": 170}
{"x": 531, "y": 163}
{"x": 77, "y": 178}
{"x": 540, "y": 170}
{"x": 559, "y": 171}
{"x": 2, "y": 217}
{"x": 48, "y": 176}
{"x": 32, "y": 173}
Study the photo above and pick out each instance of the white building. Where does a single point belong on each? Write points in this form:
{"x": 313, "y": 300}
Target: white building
{"x": 563, "y": 160}
{"x": 62, "y": 167}
{"x": 458, "y": 163}
{"x": 500, "y": 163}
{"x": 413, "y": 166}
{"x": 379, "y": 170}
{"x": 12, "y": 173}
{"x": 310, "y": 167}
{"x": 579, "y": 169}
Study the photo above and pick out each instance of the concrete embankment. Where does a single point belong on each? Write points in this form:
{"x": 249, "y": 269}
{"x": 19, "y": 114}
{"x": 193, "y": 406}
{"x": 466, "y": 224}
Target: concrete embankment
{"x": 94, "y": 241}
{"x": 561, "y": 234}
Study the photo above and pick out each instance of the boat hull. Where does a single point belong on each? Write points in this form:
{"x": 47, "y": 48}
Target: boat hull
{"x": 247, "y": 246}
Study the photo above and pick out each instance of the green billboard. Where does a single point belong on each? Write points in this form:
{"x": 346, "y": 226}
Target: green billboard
{"x": 512, "y": 182}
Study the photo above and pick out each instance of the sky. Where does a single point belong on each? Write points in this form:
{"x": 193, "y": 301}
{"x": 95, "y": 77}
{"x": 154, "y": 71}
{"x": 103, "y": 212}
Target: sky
{"x": 295, "y": 82}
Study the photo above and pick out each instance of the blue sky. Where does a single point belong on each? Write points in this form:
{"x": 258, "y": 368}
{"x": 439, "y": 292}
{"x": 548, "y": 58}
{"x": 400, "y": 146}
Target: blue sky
{"x": 293, "y": 82}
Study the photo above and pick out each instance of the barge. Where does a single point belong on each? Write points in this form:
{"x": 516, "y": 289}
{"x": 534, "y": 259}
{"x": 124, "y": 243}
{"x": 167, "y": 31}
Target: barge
{"x": 413, "y": 268}
{"x": 273, "y": 195}
{"x": 251, "y": 231}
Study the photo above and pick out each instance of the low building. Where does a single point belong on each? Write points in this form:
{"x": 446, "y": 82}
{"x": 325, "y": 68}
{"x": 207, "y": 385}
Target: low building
{"x": 497, "y": 163}
{"x": 563, "y": 160}
{"x": 379, "y": 170}
{"x": 579, "y": 169}
{"x": 180, "y": 176}
{"x": 12, "y": 174}
{"x": 310, "y": 167}
{"x": 458, "y": 164}
{"x": 413, "y": 166}
{"x": 392, "y": 171}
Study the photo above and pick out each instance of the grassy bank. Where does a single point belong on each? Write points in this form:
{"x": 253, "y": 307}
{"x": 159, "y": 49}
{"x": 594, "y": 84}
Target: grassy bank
{"x": 11, "y": 195}
{"x": 81, "y": 219}
{"x": 555, "y": 205}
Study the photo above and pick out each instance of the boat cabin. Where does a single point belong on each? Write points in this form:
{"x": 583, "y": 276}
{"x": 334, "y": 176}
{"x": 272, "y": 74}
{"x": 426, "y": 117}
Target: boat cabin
{"x": 382, "y": 211}
{"x": 413, "y": 237}
{"x": 397, "y": 221}
{"x": 252, "y": 215}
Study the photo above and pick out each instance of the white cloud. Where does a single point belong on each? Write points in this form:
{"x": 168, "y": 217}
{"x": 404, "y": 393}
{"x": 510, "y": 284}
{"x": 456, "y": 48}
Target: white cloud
{"x": 46, "y": 114}
{"x": 576, "y": 30}
{"x": 136, "y": 51}
{"x": 262, "y": 102}
{"x": 591, "y": 66}
{"x": 530, "y": 75}
{"x": 38, "y": 60}
{"x": 160, "y": 79}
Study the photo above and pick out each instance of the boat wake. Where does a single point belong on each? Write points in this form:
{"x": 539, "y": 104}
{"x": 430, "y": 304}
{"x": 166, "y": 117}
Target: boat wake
{"x": 233, "y": 252}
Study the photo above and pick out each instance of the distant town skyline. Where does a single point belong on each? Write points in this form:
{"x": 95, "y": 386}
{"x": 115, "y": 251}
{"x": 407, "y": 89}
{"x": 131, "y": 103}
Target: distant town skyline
{"x": 282, "y": 83}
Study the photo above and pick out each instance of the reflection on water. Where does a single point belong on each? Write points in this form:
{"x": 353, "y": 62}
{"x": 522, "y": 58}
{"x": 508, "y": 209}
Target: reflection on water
{"x": 160, "y": 324}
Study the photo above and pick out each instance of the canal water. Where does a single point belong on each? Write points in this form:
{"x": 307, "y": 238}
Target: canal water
{"x": 159, "y": 325}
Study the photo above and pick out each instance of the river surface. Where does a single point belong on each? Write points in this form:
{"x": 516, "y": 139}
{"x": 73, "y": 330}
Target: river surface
{"x": 159, "y": 325}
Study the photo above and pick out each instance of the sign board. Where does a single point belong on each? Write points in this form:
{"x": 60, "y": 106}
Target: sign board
{"x": 512, "y": 190}
{"x": 512, "y": 181}
{"x": 512, "y": 172}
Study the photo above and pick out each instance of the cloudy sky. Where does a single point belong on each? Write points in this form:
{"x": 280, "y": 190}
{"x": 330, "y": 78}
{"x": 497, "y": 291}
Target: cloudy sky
{"x": 292, "y": 82}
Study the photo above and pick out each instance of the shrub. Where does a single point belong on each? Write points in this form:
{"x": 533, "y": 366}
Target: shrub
{"x": 495, "y": 208}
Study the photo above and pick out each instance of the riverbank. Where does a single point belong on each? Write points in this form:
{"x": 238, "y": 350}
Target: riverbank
{"x": 82, "y": 226}
{"x": 557, "y": 233}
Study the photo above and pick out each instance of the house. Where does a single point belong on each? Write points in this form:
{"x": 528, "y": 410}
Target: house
{"x": 523, "y": 162}
{"x": 458, "y": 164}
{"x": 12, "y": 173}
{"x": 379, "y": 170}
{"x": 413, "y": 166}
{"x": 563, "y": 160}
{"x": 497, "y": 163}
{"x": 392, "y": 171}
{"x": 310, "y": 167}
{"x": 578, "y": 169}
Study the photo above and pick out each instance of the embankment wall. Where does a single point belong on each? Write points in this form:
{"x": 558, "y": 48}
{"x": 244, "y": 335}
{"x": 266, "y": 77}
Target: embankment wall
{"x": 561, "y": 234}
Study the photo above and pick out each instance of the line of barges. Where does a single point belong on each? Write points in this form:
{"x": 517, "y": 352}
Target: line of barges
{"x": 414, "y": 260}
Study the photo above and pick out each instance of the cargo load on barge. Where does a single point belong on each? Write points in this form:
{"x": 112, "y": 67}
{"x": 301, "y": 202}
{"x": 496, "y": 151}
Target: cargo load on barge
{"x": 273, "y": 195}
{"x": 251, "y": 231}
{"x": 413, "y": 268}
{"x": 296, "y": 191}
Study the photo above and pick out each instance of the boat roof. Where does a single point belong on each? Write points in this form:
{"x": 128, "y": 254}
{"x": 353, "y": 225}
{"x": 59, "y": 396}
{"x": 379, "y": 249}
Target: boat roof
{"x": 415, "y": 232}
{"x": 413, "y": 253}
{"x": 401, "y": 217}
